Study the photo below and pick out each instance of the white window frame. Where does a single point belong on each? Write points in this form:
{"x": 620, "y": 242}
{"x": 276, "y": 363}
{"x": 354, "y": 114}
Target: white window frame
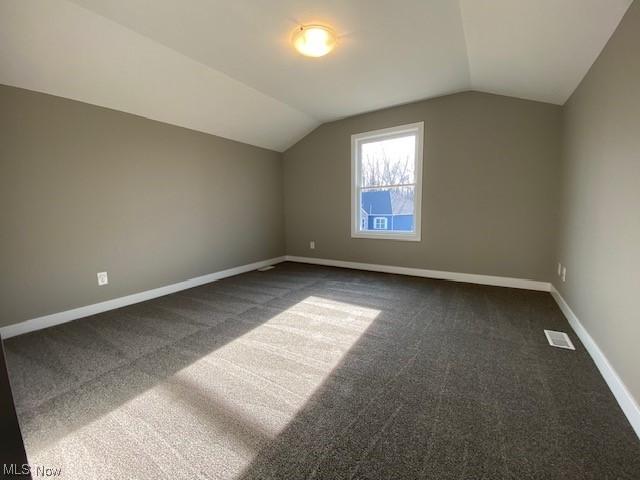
{"x": 384, "y": 223}
{"x": 357, "y": 140}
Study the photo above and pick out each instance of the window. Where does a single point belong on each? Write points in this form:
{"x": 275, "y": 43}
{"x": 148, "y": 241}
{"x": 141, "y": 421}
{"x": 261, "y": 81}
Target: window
{"x": 380, "y": 223}
{"x": 386, "y": 183}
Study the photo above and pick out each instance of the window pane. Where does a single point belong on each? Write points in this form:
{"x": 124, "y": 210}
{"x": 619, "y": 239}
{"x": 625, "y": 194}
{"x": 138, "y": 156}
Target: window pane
{"x": 387, "y": 209}
{"x": 388, "y": 162}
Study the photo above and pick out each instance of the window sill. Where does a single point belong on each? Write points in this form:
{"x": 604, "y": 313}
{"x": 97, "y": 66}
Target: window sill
{"x": 406, "y": 237}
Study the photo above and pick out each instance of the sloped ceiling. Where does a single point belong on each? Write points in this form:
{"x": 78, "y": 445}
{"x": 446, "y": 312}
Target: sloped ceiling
{"x": 226, "y": 67}
{"x": 536, "y": 49}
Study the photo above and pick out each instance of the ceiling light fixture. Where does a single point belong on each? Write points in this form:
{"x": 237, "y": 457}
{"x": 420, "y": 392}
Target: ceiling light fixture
{"x": 314, "y": 40}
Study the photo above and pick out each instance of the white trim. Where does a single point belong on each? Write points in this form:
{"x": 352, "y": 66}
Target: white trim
{"x": 356, "y": 232}
{"x": 385, "y": 223}
{"x": 439, "y": 274}
{"x": 68, "y": 315}
{"x": 387, "y": 235}
{"x": 397, "y": 185}
{"x": 626, "y": 401}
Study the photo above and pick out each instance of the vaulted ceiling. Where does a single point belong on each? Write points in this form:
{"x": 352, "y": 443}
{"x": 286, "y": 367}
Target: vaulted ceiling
{"x": 226, "y": 67}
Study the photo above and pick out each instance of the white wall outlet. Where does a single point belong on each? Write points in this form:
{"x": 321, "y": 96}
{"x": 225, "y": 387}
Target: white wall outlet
{"x": 559, "y": 269}
{"x": 564, "y": 273}
{"x": 312, "y": 245}
{"x": 103, "y": 278}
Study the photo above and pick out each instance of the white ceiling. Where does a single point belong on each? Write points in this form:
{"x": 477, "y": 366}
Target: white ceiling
{"x": 536, "y": 49}
{"x": 226, "y": 67}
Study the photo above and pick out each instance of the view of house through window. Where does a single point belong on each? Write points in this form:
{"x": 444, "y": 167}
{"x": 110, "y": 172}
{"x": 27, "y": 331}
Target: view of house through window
{"x": 386, "y": 188}
{"x": 380, "y": 223}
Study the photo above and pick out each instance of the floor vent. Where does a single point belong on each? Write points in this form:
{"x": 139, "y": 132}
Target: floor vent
{"x": 559, "y": 339}
{"x": 264, "y": 269}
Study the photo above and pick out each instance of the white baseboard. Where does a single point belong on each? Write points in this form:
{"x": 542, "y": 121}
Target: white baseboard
{"x": 439, "y": 274}
{"x": 68, "y": 315}
{"x": 626, "y": 401}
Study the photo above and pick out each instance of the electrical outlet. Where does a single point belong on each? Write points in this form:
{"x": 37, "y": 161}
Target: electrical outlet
{"x": 564, "y": 274}
{"x": 559, "y": 269}
{"x": 103, "y": 278}
{"x": 312, "y": 245}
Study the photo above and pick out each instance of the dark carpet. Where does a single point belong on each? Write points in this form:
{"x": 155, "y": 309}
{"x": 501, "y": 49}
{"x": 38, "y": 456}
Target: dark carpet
{"x": 306, "y": 372}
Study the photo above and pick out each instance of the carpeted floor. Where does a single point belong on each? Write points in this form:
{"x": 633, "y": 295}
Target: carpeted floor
{"x": 306, "y": 372}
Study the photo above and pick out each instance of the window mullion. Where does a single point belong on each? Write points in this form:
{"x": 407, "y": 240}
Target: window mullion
{"x": 399, "y": 185}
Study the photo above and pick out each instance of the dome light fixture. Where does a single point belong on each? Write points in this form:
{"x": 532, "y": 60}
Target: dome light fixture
{"x": 314, "y": 40}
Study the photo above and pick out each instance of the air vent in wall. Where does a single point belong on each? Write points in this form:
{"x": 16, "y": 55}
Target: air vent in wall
{"x": 559, "y": 339}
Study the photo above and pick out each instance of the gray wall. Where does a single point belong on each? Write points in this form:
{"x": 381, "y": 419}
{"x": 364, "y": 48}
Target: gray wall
{"x": 489, "y": 188}
{"x": 599, "y": 235}
{"x": 85, "y": 189}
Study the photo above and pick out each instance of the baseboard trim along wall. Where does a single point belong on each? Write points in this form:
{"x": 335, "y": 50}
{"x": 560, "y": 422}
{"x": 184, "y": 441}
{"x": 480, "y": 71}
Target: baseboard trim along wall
{"x": 626, "y": 401}
{"x": 80, "y": 312}
{"x": 68, "y": 315}
{"x": 439, "y": 274}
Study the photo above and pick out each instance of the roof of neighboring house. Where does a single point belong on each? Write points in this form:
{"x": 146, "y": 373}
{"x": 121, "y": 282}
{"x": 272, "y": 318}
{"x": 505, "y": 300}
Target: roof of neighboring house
{"x": 385, "y": 202}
